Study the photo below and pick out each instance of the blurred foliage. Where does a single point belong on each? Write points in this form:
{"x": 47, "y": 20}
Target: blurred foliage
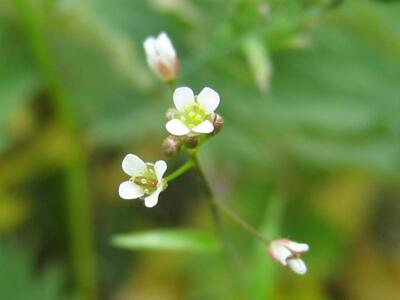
{"x": 309, "y": 93}
{"x": 17, "y": 281}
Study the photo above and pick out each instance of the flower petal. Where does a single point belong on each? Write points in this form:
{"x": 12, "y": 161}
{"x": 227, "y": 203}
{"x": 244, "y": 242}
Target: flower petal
{"x": 152, "y": 199}
{"x": 149, "y": 46}
{"x": 160, "y": 167}
{"x": 128, "y": 190}
{"x": 297, "y": 265}
{"x": 297, "y": 247}
{"x": 209, "y": 99}
{"x": 279, "y": 253}
{"x": 176, "y": 127}
{"x": 204, "y": 127}
{"x": 165, "y": 48}
{"x": 183, "y": 96}
{"x": 133, "y": 165}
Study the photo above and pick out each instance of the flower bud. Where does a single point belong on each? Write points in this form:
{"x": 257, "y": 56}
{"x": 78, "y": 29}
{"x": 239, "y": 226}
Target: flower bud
{"x": 190, "y": 141}
{"x": 161, "y": 57}
{"x": 171, "y": 145}
{"x": 288, "y": 254}
{"x": 218, "y": 123}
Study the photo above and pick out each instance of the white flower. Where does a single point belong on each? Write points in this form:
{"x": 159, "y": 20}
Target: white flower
{"x": 146, "y": 180}
{"x": 161, "y": 56}
{"x": 288, "y": 253}
{"x": 195, "y": 114}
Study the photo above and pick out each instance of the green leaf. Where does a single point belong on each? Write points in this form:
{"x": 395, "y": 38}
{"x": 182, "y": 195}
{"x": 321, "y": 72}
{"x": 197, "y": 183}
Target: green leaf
{"x": 168, "y": 239}
{"x": 259, "y": 61}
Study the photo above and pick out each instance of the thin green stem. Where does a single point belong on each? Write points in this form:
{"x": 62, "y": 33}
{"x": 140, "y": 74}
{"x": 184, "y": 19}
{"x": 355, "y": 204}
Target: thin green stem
{"x": 239, "y": 221}
{"x": 233, "y": 259}
{"x": 180, "y": 171}
{"x": 78, "y": 202}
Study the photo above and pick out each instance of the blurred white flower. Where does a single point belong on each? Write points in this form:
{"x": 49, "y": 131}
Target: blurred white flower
{"x": 146, "y": 180}
{"x": 161, "y": 57}
{"x": 195, "y": 114}
{"x": 288, "y": 253}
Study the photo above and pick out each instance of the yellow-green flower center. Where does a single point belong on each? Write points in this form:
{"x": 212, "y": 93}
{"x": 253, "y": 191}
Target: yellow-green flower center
{"x": 148, "y": 181}
{"x": 193, "y": 115}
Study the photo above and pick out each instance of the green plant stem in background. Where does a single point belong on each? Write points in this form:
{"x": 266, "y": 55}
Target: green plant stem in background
{"x": 180, "y": 171}
{"x": 78, "y": 208}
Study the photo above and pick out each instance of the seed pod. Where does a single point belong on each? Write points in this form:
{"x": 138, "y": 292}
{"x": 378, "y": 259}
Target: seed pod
{"x": 218, "y": 123}
{"x": 190, "y": 141}
{"x": 171, "y": 145}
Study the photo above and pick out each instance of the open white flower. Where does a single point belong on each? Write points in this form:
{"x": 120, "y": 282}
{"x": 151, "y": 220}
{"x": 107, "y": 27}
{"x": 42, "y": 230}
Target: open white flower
{"x": 146, "y": 180}
{"x": 194, "y": 113}
{"x": 161, "y": 56}
{"x": 288, "y": 253}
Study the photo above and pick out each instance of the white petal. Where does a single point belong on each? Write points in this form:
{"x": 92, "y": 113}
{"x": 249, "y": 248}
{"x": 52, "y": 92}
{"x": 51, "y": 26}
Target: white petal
{"x": 133, "y": 165}
{"x": 165, "y": 47}
{"x": 176, "y": 127}
{"x": 209, "y": 99}
{"x": 297, "y": 265}
{"x": 183, "y": 96}
{"x": 279, "y": 253}
{"x": 160, "y": 167}
{"x": 204, "y": 127}
{"x": 297, "y": 247}
{"x": 152, "y": 199}
{"x": 149, "y": 46}
{"x": 128, "y": 190}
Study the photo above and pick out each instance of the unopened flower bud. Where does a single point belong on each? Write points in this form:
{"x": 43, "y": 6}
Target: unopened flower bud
{"x": 190, "y": 141}
{"x": 161, "y": 57}
{"x": 288, "y": 254}
{"x": 171, "y": 145}
{"x": 218, "y": 123}
{"x": 171, "y": 113}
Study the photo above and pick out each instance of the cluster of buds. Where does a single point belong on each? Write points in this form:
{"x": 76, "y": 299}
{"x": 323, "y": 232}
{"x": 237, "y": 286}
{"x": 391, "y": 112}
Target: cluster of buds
{"x": 288, "y": 253}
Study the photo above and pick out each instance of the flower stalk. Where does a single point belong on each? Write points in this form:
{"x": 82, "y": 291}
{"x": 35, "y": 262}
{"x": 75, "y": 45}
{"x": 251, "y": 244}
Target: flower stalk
{"x": 180, "y": 171}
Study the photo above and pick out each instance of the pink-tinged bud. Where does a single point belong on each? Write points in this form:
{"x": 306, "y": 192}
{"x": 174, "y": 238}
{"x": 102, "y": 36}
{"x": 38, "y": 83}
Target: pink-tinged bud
{"x": 190, "y": 141}
{"x": 288, "y": 254}
{"x": 171, "y": 145}
{"x": 218, "y": 123}
{"x": 161, "y": 57}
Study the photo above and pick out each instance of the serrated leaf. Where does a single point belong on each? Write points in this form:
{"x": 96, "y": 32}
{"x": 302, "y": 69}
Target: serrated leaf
{"x": 168, "y": 239}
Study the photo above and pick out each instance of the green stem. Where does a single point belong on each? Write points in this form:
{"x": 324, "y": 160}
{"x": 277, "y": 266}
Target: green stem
{"x": 78, "y": 208}
{"x": 233, "y": 259}
{"x": 180, "y": 171}
{"x": 239, "y": 221}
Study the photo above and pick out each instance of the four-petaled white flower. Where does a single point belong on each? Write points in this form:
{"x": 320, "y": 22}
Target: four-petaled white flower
{"x": 288, "y": 253}
{"x": 195, "y": 114}
{"x": 146, "y": 180}
{"x": 161, "y": 57}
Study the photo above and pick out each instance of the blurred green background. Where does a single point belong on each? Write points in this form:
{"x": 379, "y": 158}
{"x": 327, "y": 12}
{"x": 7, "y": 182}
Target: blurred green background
{"x": 310, "y": 150}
